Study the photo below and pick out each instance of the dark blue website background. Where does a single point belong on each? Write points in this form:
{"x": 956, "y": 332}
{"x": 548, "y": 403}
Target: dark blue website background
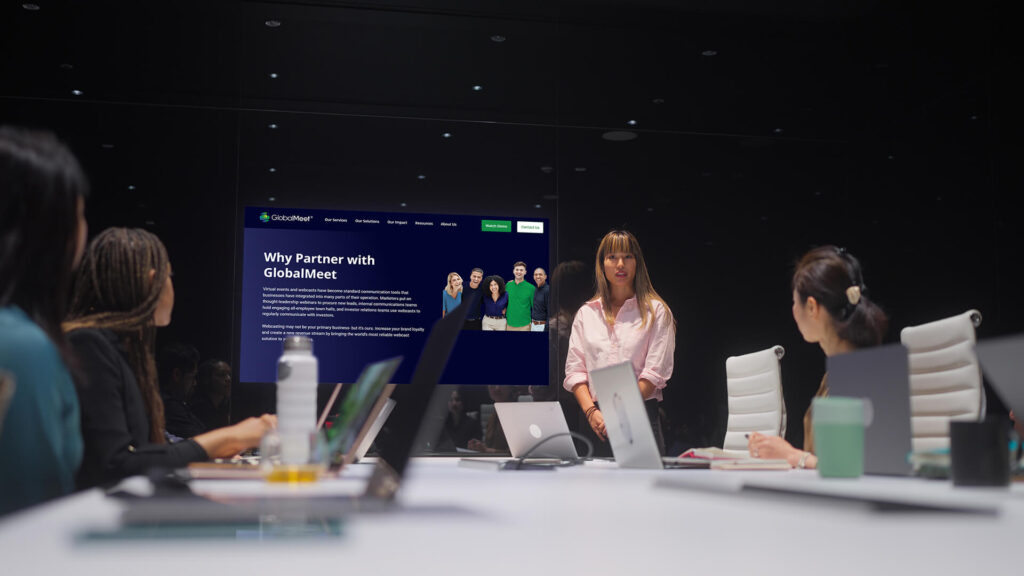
{"x": 413, "y": 258}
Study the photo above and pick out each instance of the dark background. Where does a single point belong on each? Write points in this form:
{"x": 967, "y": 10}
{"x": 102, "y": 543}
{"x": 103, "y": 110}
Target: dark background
{"x": 890, "y": 128}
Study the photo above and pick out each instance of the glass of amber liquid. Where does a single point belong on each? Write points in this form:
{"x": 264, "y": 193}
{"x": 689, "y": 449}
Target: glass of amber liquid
{"x": 293, "y": 458}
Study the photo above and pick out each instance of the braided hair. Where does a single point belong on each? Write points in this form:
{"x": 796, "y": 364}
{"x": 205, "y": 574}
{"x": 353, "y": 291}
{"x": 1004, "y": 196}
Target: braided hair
{"x": 113, "y": 290}
{"x": 834, "y": 278}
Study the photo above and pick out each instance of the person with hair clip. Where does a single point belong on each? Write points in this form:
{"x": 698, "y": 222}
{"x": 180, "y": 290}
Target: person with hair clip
{"x": 626, "y": 320}
{"x": 42, "y": 237}
{"x": 831, "y": 307}
{"x": 122, "y": 294}
{"x": 451, "y": 296}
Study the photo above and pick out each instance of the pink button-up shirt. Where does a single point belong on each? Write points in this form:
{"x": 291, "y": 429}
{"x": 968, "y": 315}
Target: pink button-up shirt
{"x": 594, "y": 344}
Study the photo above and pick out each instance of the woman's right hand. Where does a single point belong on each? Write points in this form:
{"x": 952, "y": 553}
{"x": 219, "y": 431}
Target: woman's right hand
{"x": 596, "y": 421}
{"x": 230, "y": 440}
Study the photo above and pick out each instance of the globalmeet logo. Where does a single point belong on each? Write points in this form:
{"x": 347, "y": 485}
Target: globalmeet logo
{"x": 267, "y": 217}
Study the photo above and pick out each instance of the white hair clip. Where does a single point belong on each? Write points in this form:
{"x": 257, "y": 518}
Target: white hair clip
{"x": 853, "y": 294}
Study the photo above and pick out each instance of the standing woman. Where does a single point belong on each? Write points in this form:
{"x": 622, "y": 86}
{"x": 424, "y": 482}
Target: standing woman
{"x": 831, "y": 307}
{"x": 42, "y": 237}
{"x": 495, "y": 303}
{"x": 626, "y": 320}
{"x": 122, "y": 294}
{"x": 451, "y": 296}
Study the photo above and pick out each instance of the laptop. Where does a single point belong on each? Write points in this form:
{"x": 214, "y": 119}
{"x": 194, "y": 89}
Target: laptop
{"x": 365, "y": 399}
{"x": 359, "y": 410}
{"x": 880, "y": 375}
{"x": 536, "y": 430}
{"x": 625, "y": 419}
{"x": 396, "y": 440}
{"x": 1002, "y": 360}
{"x": 378, "y": 423}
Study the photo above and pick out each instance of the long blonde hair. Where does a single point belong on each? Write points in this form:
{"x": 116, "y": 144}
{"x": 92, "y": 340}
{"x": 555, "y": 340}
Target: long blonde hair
{"x": 448, "y": 287}
{"x": 113, "y": 291}
{"x": 621, "y": 241}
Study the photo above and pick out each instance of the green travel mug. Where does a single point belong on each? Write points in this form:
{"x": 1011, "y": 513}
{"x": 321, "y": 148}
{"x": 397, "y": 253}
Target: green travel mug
{"x": 838, "y": 425}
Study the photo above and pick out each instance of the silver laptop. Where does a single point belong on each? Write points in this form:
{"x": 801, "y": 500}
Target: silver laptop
{"x": 881, "y": 375}
{"x": 627, "y": 423}
{"x": 536, "y": 426}
{"x": 378, "y": 423}
{"x": 1002, "y": 360}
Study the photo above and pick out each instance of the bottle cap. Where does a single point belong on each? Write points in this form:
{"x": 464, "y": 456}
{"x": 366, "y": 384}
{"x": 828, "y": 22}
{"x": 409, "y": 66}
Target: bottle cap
{"x": 298, "y": 343}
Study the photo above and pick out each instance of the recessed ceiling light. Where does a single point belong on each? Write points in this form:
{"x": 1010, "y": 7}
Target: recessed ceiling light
{"x": 131, "y": 187}
{"x": 271, "y": 199}
{"x": 271, "y": 169}
{"x": 778, "y": 130}
{"x": 498, "y": 38}
{"x": 650, "y": 209}
{"x": 272, "y": 23}
{"x": 273, "y": 75}
{"x": 446, "y": 135}
{"x": 974, "y": 117}
{"x": 547, "y": 169}
{"x": 658, "y": 101}
{"x": 477, "y": 88}
{"x": 891, "y": 157}
{"x": 30, "y": 7}
{"x": 536, "y": 205}
{"x": 709, "y": 53}
{"x": 580, "y": 168}
{"x": 403, "y": 204}
{"x": 421, "y": 176}
{"x": 66, "y": 66}
{"x": 272, "y": 126}
{"x": 77, "y": 92}
{"x": 618, "y": 135}
{"x": 631, "y": 122}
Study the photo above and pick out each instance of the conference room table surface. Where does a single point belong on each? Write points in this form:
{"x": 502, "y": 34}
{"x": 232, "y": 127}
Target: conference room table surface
{"x": 590, "y": 519}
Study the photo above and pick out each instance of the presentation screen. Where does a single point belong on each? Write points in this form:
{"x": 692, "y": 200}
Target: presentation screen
{"x": 368, "y": 285}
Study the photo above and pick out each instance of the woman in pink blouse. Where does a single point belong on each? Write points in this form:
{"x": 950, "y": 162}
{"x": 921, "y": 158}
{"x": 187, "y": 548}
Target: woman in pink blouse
{"x": 625, "y": 321}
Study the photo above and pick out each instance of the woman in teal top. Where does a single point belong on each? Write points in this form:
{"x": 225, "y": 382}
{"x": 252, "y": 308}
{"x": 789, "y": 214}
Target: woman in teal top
{"x": 42, "y": 237}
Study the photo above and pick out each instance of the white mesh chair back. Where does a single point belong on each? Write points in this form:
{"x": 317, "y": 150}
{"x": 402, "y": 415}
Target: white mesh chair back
{"x": 945, "y": 378}
{"x": 754, "y": 383}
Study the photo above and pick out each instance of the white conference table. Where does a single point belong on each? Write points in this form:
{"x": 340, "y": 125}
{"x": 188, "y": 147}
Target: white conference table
{"x": 593, "y": 519}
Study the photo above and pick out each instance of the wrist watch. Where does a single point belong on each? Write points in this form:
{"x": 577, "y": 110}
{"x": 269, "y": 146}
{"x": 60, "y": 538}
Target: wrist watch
{"x": 803, "y": 460}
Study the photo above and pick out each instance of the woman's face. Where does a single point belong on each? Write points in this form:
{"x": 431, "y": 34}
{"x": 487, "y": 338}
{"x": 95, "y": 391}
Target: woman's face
{"x": 620, "y": 269}
{"x": 165, "y": 305}
{"x": 806, "y": 322}
{"x": 456, "y": 282}
{"x": 494, "y": 287}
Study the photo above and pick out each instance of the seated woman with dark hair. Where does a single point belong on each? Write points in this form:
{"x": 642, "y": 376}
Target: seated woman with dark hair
{"x": 42, "y": 236}
{"x": 123, "y": 293}
{"x": 831, "y": 308}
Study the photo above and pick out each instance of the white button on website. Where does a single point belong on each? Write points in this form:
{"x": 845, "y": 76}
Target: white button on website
{"x": 530, "y": 227}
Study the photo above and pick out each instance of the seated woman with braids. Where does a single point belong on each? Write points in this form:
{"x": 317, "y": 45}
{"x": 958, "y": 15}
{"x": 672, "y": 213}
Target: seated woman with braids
{"x": 122, "y": 294}
{"x": 831, "y": 307}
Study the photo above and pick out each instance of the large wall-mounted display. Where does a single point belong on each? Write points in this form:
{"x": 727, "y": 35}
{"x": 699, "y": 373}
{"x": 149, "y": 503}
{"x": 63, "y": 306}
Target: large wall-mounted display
{"x": 368, "y": 285}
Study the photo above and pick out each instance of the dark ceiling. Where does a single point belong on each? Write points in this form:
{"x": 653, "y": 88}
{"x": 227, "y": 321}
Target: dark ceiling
{"x": 761, "y": 129}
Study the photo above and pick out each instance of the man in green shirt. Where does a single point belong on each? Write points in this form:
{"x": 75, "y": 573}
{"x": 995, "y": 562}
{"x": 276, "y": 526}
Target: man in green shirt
{"x": 520, "y": 299}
